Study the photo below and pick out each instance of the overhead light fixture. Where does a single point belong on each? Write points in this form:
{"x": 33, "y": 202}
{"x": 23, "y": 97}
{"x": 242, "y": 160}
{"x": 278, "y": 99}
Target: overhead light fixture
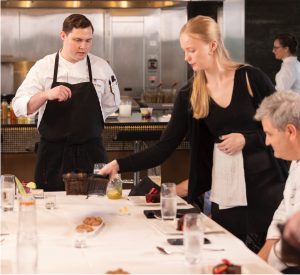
{"x": 90, "y": 4}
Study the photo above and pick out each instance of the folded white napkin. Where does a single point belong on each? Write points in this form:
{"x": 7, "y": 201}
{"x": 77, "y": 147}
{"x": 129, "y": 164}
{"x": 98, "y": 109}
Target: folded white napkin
{"x": 228, "y": 180}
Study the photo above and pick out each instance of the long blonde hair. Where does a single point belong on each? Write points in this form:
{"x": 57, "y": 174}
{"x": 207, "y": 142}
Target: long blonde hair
{"x": 209, "y": 31}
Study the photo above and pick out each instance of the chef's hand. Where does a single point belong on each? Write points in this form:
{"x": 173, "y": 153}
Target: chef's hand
{"x": 61, "y": 93}
{"x": 232, "y": 143}
{"x": 110, "y": 169}
{"x": 291, "y": 231}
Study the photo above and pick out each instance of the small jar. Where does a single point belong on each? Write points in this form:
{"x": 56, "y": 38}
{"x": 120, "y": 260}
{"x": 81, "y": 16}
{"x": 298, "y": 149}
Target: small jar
{"x": 114, "y": 188}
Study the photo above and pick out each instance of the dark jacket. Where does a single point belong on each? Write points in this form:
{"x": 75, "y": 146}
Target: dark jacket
{"x": 201, "y": 141}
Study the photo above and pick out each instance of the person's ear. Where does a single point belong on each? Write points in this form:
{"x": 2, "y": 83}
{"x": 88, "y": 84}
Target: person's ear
{"x": 63, "y": 35}
{"x": 291, "y": 131}
{"x": 213, "y": 46}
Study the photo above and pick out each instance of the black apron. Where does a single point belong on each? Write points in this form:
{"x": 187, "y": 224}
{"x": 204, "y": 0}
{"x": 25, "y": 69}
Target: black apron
{"x": 70, "y": 134}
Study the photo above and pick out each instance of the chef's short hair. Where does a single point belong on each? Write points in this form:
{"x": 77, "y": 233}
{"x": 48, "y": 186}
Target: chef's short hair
{"x": 77, "y": 21}
{"x": 281, "y": 108}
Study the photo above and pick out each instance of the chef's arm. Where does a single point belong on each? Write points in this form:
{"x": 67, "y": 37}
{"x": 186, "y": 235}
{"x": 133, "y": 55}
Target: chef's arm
{"x": 60, "y": 93}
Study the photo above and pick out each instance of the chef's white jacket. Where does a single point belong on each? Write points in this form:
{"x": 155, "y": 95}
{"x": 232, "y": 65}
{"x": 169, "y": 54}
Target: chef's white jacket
{"x": 40, "y": 78}
{"x": 288, "y": 206}
{"x": 288, "y": 78}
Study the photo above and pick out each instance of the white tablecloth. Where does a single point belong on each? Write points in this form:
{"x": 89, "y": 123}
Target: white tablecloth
{"x": 125, "y": 241}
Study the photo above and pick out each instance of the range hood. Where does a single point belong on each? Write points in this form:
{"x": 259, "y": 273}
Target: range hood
{"x": 106, "y": 4}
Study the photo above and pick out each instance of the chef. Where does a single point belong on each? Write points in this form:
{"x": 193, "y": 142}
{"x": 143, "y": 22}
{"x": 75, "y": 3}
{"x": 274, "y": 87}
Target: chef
{"x": 73, "y": 92}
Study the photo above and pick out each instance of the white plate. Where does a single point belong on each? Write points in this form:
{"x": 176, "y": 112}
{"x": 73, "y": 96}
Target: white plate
{"x": 170, "y": 227}
{"x": 141, "y": 200}
{"x": 166, "y": 227}
{"x": 96, "y": 229}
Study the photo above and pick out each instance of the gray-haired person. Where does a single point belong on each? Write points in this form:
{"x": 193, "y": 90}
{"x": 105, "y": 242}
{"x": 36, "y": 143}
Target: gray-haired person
{"x": 280, "y": 117}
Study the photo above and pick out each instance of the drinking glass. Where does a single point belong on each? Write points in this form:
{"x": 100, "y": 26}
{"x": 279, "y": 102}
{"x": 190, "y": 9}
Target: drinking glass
{"x": 193, "y": 231}
{"x": 27, "y": 247}
{"x": 8, "y": 188}
{"x": 80, "y": 239}
{"x": 114, "y": 188}
{"x": 155, "y": 174}
{"x": 50, "y": 201}
{"x": 125, "y": 107}
{"x": 98, "y": 167}
{"x": 168, "y": 201}
{"x": 146, "y": 113}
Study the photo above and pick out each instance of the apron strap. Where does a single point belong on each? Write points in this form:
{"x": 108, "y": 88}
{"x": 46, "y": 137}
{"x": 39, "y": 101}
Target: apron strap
{"x": 55, "y": 67}
{"x": 90, "y": 69}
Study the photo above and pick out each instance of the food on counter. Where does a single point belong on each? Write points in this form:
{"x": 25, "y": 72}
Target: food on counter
{"x": 227, "y": 268}
{"x": 84, "y": 228}
{"x": 153, "y": 196}
{"x": 124, "y": 210}
{"x": 93, "y": 221}
{"x": 117, "y": 271}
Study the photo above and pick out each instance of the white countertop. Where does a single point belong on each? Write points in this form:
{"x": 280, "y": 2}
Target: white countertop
{"x": 125, "y": 241}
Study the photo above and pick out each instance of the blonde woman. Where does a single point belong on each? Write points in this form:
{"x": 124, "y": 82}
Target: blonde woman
{"x": 228, "y": 154}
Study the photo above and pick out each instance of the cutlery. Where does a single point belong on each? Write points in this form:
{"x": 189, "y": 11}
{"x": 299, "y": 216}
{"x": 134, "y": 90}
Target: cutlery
{"x": 168, "y": 252}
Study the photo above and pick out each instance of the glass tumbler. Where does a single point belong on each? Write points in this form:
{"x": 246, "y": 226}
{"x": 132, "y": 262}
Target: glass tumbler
{"x": 193, "y": 232}
{"x": 27, "y": 243}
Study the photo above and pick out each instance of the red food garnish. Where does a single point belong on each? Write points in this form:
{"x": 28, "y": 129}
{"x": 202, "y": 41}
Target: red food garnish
{"x": 220, "y": 269}
{"x": 151, "y": 194}
{"x": 225, "y": 261}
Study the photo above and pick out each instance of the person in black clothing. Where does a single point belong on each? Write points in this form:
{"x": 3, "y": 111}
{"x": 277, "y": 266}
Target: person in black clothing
{"x": 73, "y": 92}
{"x": 216, "y": 108}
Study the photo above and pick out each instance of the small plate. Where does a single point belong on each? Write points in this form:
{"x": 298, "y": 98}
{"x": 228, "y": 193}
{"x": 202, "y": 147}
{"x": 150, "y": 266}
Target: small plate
{"x": 95, "y": 231}
{"x": 141, "y": 201}
{"x": 170, "y": 228}
{"x": 167, "y": 227}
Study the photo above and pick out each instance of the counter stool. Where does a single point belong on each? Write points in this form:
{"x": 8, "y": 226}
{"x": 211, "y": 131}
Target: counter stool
{"x": 138, "y": 137}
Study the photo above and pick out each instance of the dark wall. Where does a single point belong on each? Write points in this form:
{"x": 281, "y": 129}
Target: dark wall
{"x": 263, "y": 20}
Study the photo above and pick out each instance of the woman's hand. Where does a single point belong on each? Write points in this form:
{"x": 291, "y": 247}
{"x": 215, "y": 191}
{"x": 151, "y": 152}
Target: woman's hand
{"x": 110, "y": 169}
{"x": 232, "y": 143}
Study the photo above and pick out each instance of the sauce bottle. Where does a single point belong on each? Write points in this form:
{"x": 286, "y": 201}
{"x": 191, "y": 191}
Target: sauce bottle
{"x": 4, "y": 111}
{"x": 13, "y": 117}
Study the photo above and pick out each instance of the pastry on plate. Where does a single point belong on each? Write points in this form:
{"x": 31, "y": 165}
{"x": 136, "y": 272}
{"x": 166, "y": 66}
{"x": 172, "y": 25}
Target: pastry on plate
{"x": 93, "y": 221}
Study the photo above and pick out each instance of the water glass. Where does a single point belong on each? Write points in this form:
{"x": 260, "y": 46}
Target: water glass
{"x": 80, "y": 239}
{"x": 27, "y": 246}
{"x": 8, "y": 189}
{"x": 193, "y": 231}
{"x": 50, "y": 201}
{"x": 98, "y": 167}
{"x": 168, "y": 201}
{"x": 125, "y": 107}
